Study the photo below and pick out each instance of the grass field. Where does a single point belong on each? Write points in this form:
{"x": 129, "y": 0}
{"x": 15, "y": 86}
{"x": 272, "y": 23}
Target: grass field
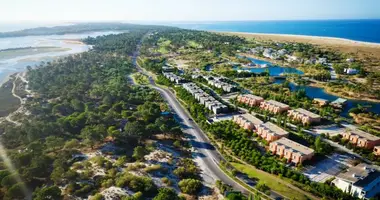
{"x": 269, "y": 180}
{"x": 8, "y": 103}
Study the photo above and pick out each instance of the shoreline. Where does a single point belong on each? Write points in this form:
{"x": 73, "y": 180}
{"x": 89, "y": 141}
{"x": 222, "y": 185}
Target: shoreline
{"x": 310, "y": 37}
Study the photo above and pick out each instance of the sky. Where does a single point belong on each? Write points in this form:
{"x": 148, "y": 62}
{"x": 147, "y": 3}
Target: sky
{"x": 185, "y": 10}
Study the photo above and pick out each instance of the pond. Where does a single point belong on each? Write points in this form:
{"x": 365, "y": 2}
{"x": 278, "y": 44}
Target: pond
{"x": 315, "y": 92}
{"x": 274, "y": 70}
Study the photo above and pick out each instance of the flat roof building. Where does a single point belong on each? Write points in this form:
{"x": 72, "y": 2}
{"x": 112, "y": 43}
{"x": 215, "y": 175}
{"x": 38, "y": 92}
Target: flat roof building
{"x": 304, "y": 116}
{"x": 250, "y": 99}
{"x": 271, "y": 132}
{"x": 362, "y": 181}
{"x": 361, "y": 138}
{"x": 292, "y": 151}
{"x": 247, "y": 121}
{"x": 274, "y": 106}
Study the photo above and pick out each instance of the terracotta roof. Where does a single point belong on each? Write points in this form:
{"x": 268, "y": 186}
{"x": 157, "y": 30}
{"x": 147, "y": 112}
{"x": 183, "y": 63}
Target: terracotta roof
{"x": 363, "y": 134}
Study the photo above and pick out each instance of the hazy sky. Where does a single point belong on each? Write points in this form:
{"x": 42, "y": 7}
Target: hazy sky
{"x": 186, "y": 10}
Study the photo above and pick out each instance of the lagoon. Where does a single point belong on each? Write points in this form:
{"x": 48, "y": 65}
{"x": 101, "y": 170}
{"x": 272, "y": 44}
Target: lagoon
{"x": 274, "y": 70}
{"x": 315, "y": 92}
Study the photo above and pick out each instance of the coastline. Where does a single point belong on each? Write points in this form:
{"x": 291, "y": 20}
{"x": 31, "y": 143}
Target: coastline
{"x": 305, "y": 37}
{"x": 364, "y": 51}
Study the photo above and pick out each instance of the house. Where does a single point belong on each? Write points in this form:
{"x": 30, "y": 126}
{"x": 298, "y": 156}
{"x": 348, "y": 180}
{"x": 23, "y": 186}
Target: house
{"x": 304, "y": 116}
{"x": 350, "y": 71}
{"x": 249, "y": 99}
{"x": 362, "y": 181}
{"x": 361, "y": 139}
{"x": 292, "y": 58}
{"x": 271, "y": 132}
{"x": 292, "y": 151}
{"x": 350, "y": 60}
{"x": 281, "y": 52}
{"x": 339, "y": 102}
{"x": 268, "y": 52}
{"x": 322, "y": 61}
{"x": 274, "y": 106}
{"x": 247, "y": 121}
{"x": 376, "y": 150}
{"x": 321, "y": 102}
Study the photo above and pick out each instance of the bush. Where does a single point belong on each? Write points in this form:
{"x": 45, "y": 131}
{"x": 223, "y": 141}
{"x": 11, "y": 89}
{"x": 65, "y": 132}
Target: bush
{"x": 97, "y": 196}
{"x": 153, "y": 168}
{"x": 190, "y": 186}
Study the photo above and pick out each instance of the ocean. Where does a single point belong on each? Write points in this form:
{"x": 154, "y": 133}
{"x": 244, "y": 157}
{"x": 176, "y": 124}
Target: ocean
{"x": 359, "y": 30}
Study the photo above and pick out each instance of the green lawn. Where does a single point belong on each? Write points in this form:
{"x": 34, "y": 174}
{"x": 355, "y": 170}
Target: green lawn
{"x": 269, "y": 180}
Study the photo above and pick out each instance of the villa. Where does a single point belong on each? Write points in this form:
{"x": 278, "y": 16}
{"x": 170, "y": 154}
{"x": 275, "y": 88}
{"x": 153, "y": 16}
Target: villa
{"x": 274, "y": 106}
{"x": 247, "y": 121}
{"x": 362, "y": 181}
{"x": 304, "y": 116}
{"x": 292, "y": 151}
{"x": 249, "y": 99}
{"x": 361, "y": 139}
{"x": 271, "y": 132}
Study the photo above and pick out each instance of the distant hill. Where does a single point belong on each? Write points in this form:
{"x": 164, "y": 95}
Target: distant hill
{"x": 76, "y": 28}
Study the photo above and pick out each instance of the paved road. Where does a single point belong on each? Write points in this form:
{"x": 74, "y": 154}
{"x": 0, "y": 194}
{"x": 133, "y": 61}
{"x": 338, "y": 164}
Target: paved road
{"x": 205, "y": 153}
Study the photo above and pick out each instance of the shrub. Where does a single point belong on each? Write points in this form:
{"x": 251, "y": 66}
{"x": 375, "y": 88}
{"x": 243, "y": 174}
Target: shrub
{"x": 190, "y": 186}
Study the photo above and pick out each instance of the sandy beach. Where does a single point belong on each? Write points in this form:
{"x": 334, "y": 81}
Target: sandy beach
{"x": 363, "y": 50}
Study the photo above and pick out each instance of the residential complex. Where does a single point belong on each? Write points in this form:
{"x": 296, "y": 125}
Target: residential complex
{"x": 274, "y": 106}
{"x": 271, "y": 132}
{"x": 304, "y": 116}
{"x": 247, "y": 121}
{"x": 205, "y": 99}
{"x": 361, "y": 138}
{"x": 292, "y": 151}
{"x": 174, "y": 78}
{"x": 361, "y": 181}
{"x": 218, "y": 83}
{"x": 250, "y": 100}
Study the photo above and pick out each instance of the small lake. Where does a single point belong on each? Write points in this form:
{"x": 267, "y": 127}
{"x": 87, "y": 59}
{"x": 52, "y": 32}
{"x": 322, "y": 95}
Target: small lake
{"x": 315, "y": 92}
{"x": 274, "y": 70}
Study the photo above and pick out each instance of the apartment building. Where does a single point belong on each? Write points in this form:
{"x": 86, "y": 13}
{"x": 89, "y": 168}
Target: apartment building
{"x": 250, "y": 99}
{"x": 274, "y": 106}
{"x": 205, "y": 99}
{"x": 218, "y": 83}
{"x": 361, "y": 138}
{"x": 247, "y": 121}
{"x": 362, "y": 181}
{"x": 304, "y": 116}
{"x": 292, "y": 151}
{"x": 174, "y": 78}
{"x": 271, "y": 132}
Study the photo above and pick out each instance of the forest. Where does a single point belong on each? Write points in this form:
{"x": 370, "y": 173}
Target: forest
{"x": 80, "y": 102}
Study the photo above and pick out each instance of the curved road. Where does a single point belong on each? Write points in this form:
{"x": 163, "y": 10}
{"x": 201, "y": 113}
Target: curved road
{"x": 205, "y": 153}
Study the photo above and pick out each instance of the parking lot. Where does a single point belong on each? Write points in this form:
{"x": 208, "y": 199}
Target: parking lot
{"x": 328, "y": 167}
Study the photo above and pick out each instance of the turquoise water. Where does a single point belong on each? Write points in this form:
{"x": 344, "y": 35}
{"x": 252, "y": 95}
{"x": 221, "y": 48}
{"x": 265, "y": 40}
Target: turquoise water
{"x": 359, "y": 30}
{"x": 273, "y": 69}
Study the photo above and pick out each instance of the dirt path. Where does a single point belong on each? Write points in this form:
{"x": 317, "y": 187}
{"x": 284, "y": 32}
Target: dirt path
{"x": 21, "y": 109}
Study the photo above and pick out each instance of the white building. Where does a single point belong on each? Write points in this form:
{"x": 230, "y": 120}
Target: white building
{"x": 360, "y": 181}
{"x": 350, "y": 71}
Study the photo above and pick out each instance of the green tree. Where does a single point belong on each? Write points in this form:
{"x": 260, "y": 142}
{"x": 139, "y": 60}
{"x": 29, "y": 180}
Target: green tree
{"x": 190, "y": 186}
{"x": 139, "y": 153}
{"x": 47, "y": 193}
{"x": 166, "y": 194}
